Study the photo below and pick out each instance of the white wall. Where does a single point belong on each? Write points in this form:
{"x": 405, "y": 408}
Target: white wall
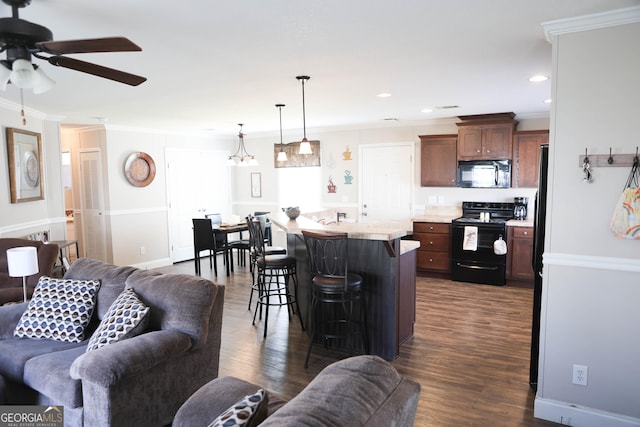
{"x": 21, "y": 219}
{"x": 135, "y": 216}
{"x": 591, "y": 278}
{"x": 334, "y": 142}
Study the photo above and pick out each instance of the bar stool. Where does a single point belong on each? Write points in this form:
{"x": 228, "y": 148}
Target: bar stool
{"x": 254, "y": 240}
{"x": 338, "y": 307}
{"x": 274, "y": 272}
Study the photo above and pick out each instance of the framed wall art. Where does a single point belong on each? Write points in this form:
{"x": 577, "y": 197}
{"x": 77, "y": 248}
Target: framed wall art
{"x": 24, "y": 150}
{"x": 256, "y": 185}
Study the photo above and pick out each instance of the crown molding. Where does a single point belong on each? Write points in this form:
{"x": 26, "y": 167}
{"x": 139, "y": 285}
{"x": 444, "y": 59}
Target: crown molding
{"x": 628, "y": 15}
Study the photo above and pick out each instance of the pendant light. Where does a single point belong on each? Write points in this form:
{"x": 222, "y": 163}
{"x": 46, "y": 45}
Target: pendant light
{"x": 305, "y": 146}
{"x": 282, "y": 156}
{"x": 241, "y": 157}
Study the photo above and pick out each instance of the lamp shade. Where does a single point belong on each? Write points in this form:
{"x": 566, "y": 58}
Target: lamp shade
{"x": 22, "y": 261}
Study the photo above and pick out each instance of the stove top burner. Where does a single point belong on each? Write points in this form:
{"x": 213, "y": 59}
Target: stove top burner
{"x": 499, "y": 212}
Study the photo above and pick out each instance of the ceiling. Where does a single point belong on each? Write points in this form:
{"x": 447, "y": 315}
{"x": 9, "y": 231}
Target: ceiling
{"x": 213, "y": 64}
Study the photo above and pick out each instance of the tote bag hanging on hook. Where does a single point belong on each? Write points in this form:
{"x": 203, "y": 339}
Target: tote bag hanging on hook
{"x": 626, "y": 216}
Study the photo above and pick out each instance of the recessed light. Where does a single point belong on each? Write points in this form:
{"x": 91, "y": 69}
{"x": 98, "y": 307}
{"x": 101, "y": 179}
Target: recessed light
{"x": 547, "y": 101}
{"x": 538, "y": 78}
{"x": 427, "y": 110}
{"x": 383, "y": 95}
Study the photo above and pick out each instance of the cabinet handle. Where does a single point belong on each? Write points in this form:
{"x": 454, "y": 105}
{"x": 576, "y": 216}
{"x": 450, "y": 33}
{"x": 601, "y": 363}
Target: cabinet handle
{"x": 431, "y": 228}
{"x": 431, "y": 243}
{"x": 430, "y": 259}
{"x": 526, "y": 233}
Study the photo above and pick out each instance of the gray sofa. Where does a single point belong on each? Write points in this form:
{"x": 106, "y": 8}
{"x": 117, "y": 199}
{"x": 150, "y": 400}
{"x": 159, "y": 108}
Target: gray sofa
{"x": 357, "y": 391}
{"x": 139, "y": 381}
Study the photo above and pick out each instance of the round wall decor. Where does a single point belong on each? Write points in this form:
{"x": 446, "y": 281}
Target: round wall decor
{"x": 139, "y": 169}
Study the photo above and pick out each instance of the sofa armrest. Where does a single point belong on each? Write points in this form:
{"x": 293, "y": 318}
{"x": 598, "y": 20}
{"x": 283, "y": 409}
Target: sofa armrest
{"x": 9, "y": 318}
{"x": 133, "y": 356}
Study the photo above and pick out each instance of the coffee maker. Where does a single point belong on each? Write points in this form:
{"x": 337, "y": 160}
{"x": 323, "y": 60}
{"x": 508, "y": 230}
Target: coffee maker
{"x": 520, "y": 208}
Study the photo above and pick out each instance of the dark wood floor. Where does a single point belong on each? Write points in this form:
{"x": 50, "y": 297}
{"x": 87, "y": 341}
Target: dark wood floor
{"x": 470, "y": 350}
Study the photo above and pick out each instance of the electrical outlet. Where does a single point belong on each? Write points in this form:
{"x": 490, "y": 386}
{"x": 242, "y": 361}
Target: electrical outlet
{"x": 580, "y": 374}
{"x": 142, "y": 250}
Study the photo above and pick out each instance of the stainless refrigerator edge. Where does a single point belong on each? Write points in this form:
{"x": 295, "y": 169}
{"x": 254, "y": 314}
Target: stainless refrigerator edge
{"x": 540, "y": 213}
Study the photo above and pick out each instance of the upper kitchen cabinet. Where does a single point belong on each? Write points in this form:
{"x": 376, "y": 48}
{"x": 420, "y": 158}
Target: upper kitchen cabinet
{"x": 438, "y": 160}
{"x": 526, "y": 153}
{"x": 486, "y": 136}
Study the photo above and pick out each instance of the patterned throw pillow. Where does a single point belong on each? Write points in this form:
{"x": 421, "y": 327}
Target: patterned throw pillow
{"x": 241, "y": 412}
{"x": 126, "y": 318}
{"x": 60, "y": 309}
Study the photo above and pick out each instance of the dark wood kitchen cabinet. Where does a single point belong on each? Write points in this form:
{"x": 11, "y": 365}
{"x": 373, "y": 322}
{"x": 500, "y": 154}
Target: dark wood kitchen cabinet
{"x": 486, "y": 136}
{"x": 520, "y": 250}
{"x": 434, "y": 252}
{"x": 438, "y": 165}
{"x": 526, "y": 155}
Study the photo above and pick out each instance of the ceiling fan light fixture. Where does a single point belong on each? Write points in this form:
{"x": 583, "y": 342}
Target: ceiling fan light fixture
{"x": 22, "y": 74}
{"x": 5, "y": 75}
{"x": 43, "y": 83}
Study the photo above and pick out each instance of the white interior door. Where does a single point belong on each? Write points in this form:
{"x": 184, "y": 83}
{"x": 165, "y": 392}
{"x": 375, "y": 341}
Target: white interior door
{"x": 94, "y": 236}
{"x": 386, "y": 184}
{"x": 197, "y": 184}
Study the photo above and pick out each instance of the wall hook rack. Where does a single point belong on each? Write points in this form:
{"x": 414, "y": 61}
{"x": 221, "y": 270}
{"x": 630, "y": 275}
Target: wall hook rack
{"x": 603, "y": 160}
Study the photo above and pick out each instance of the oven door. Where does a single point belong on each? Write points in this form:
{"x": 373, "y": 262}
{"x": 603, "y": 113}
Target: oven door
{"x": 481, "y": 265}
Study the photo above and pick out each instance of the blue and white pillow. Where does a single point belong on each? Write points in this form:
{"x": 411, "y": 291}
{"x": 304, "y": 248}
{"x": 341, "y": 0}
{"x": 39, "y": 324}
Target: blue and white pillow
{"x": 241, "y": 413}
{"x": 60, "y": 309}
{"x": 126, "y": 318}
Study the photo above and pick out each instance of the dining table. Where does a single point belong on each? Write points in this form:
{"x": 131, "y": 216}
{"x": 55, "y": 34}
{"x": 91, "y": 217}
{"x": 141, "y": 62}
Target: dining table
{"x": 225, "y": 230}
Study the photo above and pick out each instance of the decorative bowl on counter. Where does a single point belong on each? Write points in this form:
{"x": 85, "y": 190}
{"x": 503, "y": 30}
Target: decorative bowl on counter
{"x": 292, "y": 212}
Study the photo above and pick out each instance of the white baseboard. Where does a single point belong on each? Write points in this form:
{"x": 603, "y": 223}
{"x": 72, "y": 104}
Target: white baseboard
{"x": 579, "y": 416}
{"x": 157, "y": 263}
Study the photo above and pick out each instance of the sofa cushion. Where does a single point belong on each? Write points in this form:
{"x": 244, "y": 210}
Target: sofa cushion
{"x": 14, "y": 353}
{"x": 361, "y": 390}
{"x": 48, "y": 374}
{"x": 179, "y": 302}
{"x": 112, "y": 278}
{"x": 60, "y": 309}
{"x": 127, "y": 317}
{"x": 241, "y": 413}
{"x": 215, "y": 397}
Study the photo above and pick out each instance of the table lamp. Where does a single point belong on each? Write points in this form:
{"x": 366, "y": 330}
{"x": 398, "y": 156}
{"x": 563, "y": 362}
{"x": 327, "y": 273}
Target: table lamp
{"x": 22, "y": 262}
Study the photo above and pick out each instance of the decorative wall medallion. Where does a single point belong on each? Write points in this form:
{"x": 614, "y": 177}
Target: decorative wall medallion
{"x": 139, "y": 169}
{"x": 348, "y": 178}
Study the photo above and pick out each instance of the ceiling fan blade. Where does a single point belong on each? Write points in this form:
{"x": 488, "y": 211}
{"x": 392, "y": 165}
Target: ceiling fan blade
{"x": 107, "y": 44}
{"x": 97, "y": 70}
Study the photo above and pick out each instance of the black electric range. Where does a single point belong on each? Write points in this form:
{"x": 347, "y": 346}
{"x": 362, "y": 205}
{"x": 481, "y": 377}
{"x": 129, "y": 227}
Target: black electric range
{"x": 473, "y": 258}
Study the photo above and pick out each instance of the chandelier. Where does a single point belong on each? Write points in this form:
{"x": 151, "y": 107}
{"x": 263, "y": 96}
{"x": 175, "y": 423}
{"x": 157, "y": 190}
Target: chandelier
{"x": 241, "y": 157}
{"x": 305, "y": 146}
{"x": 282, "y": 155}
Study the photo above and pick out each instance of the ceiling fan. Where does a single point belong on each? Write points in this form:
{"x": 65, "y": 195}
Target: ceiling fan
{"x": 22, "y": 39}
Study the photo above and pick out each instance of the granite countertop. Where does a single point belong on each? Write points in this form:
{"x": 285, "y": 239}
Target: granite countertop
{"x": 374, "y": 230}
{"x": 520, "y": 223}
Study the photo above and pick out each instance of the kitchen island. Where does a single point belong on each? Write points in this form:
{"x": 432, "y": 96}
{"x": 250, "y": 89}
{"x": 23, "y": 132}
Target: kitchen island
{"x": 387, "y": 265}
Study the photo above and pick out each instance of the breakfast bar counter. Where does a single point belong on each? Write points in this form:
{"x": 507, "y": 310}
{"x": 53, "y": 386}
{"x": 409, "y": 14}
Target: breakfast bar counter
{"x": 387, "y": 265}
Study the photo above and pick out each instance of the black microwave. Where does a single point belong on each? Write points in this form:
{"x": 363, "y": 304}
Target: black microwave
{"x": 484, "y": 174}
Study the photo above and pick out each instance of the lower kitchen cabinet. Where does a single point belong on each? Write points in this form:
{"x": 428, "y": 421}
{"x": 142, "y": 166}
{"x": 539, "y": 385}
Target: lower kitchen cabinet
{"x": 520, "y": 250}
{"x": 435, "y": 241}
